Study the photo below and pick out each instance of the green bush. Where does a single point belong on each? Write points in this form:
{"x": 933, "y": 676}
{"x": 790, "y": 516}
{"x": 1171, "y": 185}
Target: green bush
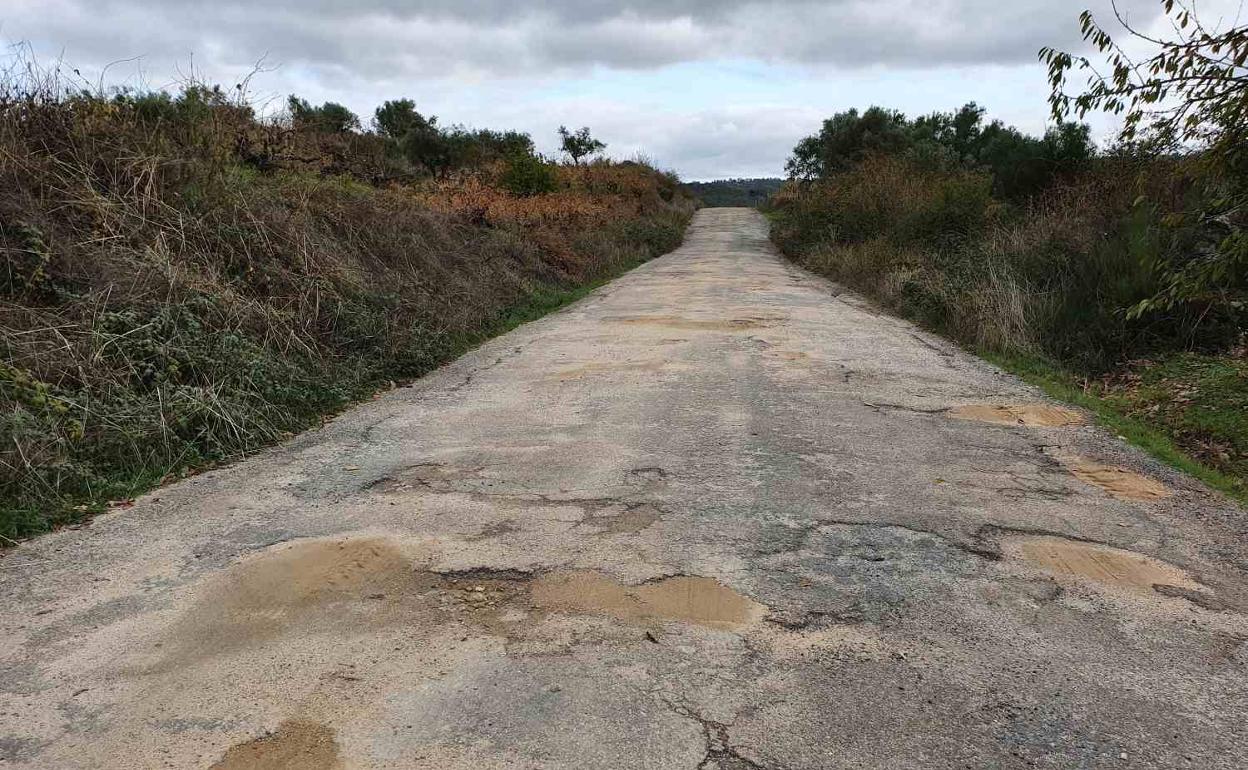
{"x": 1056, "y": 279}
{"x": 527, "y": 175}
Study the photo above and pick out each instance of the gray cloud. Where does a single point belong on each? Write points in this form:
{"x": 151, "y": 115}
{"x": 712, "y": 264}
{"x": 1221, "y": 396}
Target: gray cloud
{"x": 468, "y": 60}
{"x": 501, "y": 38}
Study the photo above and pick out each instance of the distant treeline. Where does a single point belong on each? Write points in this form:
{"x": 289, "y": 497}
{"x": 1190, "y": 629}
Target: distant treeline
{"x": 735, "y": 192}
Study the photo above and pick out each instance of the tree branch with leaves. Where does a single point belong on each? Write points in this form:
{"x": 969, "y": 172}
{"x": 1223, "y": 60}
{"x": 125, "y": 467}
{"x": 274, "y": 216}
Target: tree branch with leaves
{"x": 1187, "y": 97}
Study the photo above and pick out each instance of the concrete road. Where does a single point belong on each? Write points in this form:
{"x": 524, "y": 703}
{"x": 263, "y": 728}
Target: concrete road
{"x": 720, "y": 514}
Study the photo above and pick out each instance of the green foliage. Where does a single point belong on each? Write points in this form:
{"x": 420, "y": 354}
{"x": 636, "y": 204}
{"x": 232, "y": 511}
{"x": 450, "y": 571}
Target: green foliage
{"x": 1189, "y": 95}
{"x": 480, "y": 147}
{"x": 427, "y": 147}
{"x": 527, "y": 175}
{"x": 846, "y": 139}
{"x": 579, "y": 144}
{"x": 27, "y": 259}
{"x": 1021, "y": 166}
{"x": 1055, "y": 280}
{"x": 440, "y": 150}
{"x": 395, "y": 118}
{"x": 330, "y": 117}
{"x": 735, "y": 192}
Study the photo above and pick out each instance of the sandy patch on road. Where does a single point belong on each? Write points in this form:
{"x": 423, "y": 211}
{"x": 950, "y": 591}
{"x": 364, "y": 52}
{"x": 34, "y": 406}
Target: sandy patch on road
{"x": 630, "y": 521}
{"x": 1119, "y": 482}
{"x": 1108, "y": 567}
{"x": 1031, "y": 415}
{"x": 295, "y": 746}
{"x": 359, "y": 585}
{"x": 697, "y": 600}
{"x": 301, "y": 586}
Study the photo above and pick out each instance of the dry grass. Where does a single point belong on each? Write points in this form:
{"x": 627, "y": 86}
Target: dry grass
{"x": 184, "y": 283}
{"x": 1052, "y": 279}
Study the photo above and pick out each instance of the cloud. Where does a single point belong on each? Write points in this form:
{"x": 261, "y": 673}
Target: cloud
{"x": 710, "y": 87}
{"x": 498, "y": 38}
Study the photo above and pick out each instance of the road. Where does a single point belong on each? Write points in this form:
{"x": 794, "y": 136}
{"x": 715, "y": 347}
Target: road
{"x": 719, "y": 514}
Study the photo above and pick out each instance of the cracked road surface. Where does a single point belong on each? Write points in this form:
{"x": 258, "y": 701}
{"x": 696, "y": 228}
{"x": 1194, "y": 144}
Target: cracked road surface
{"x": 719, "y": 514}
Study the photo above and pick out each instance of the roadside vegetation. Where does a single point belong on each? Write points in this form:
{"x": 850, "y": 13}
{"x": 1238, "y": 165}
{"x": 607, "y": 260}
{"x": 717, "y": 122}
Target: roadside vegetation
{"x": 1119, "y": 273}
{"x": 185, "y": 281}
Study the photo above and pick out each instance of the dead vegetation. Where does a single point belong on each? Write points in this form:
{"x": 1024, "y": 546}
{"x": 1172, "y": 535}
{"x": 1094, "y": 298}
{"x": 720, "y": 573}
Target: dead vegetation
{"x": 184, "y": 282}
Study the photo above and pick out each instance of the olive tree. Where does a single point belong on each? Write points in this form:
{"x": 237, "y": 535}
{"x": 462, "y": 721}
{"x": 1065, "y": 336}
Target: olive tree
{"x": 579, "y": 144}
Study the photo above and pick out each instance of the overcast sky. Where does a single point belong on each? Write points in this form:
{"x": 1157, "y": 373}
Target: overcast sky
{"x": 710, "y": 88}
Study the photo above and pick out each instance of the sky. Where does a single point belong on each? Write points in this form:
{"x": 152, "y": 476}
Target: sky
{"x": 708, "y": 88}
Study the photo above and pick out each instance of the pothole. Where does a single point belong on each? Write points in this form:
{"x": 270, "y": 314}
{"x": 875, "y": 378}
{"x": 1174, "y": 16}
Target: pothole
{"x": 306, "y": 584}
{"x": 695, "y": 324}
{"x": 295, "y": 746}
{"x": 1119, "y": 482}
{"x": 352, "y": 587}
{"x": 697, "y": 600}
{"x": 1031, "y": 415}
{"x": 1104, "y": 565}
{"x": 435, "y": 477}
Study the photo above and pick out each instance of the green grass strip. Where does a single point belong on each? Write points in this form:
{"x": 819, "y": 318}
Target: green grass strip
{"x": 1063, "y": 386}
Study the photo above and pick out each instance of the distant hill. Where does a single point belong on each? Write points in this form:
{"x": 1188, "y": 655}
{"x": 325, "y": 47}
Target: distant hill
{"x": 735, "y": 192}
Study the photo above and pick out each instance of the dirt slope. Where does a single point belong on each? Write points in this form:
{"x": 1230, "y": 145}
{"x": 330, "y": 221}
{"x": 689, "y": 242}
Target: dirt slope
{"x": 717, "y": 515}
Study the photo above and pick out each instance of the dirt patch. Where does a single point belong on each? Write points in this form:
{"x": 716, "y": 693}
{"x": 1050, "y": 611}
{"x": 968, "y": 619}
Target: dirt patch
{"x": 309, "y": 584}
{"x": 697, "y": 600}
{"x": 1119, "y": 482}
{"x": 631, "y": 520}
{"x": 1031, "y": 415}
{"x": 1108, "y": 567}
{"x": 295, "y": 746}
{"x": 695, "y": 324}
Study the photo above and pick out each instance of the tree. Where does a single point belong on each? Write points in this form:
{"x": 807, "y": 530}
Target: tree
{"x": 1190, "y": 93}
{"x": 579, "y": 144}
{"x": 845, "y": 139}
{"x": 330, "y": 117}
{"x": 476, "y": 148}
{"x": 426, "y": 145}
{"x": 395, "y": 118}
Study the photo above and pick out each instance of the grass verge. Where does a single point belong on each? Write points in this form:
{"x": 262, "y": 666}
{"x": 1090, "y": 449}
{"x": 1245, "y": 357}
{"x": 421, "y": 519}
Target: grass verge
{"x": 129, "y": 482}
{"x": 1113, "y": 410}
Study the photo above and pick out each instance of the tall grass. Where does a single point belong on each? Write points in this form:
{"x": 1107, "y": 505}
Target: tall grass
{"x": 1052, "y": 278}
{"x": 183, "y": 283}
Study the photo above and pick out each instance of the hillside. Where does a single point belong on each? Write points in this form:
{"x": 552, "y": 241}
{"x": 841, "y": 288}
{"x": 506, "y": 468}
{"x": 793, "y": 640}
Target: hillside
{"x": 185, "y": 283}
{"x": 735, "y": 192}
